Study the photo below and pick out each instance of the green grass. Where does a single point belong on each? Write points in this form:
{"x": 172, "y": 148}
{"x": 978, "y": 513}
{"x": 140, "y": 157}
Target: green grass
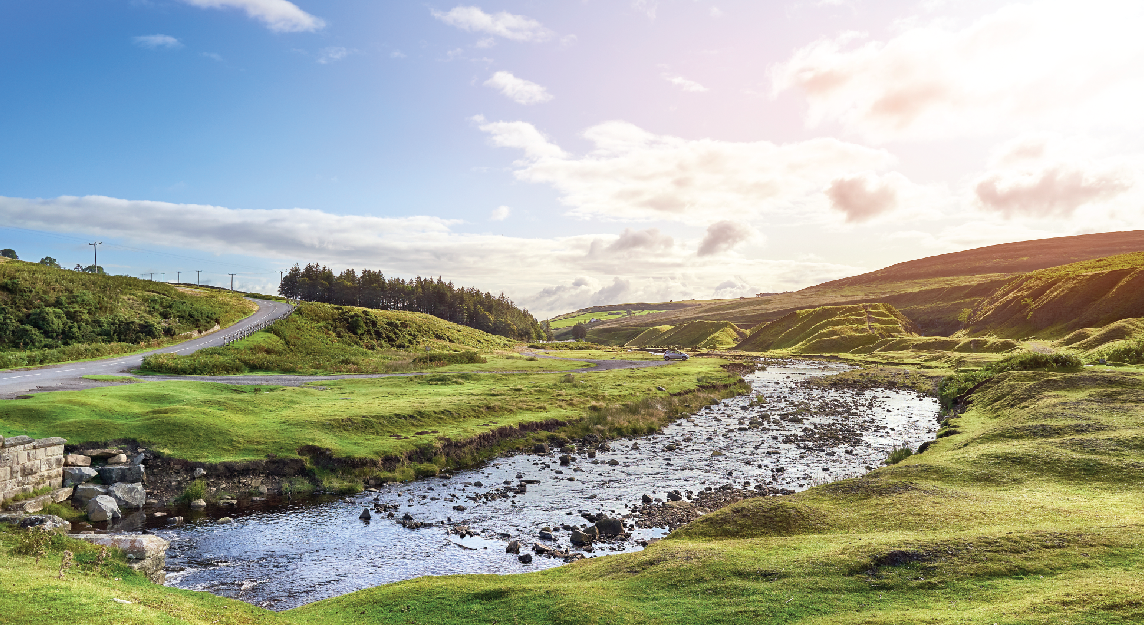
{"x": 110, "y": 378}
{"x": 1026, "y": 510}
{"x": 560, "y": 322}
{"x": 353, "y": 418}
{"x": 320, "y": 338}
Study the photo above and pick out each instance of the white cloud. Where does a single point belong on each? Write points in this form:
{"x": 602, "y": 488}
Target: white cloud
{"x": 1049, "y": 64}
{"x": 652, "y": 268}
{"x": 397, "y": 54}
{"x": 685, "y": 84}
{"x": 331, "y": 54}
{"x": 487, "y": 42}
{"x": 716, "y": 12}
{"x": 518, "y": 90}
{"x": 634, "y": 174}
{"x": 520, "y": 135}
{"x": 864, "y": 196}
{"x": 154, "y": 42}
{"x": 503, "y": 24}
{"x": 278, "y": 15}
{"x": 500, "y": 213}
{"x": 214, "y": 56}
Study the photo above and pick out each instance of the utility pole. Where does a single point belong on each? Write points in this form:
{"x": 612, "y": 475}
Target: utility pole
{"x": 95, "y": 247}
{"x": 152, "y": 276}
{"x": 198, "y": 272}
{"x": 178, "y": 277}
{"x": 231, "y": 280}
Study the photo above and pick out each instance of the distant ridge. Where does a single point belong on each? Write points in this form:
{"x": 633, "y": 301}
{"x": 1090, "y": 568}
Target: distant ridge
{"x": 1020, "y": 257}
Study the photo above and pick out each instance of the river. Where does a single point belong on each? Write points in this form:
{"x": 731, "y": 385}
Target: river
{"x": 784, "y": 435}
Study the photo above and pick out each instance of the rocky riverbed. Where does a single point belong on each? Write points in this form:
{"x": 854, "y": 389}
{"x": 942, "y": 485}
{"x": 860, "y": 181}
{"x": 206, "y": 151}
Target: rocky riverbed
{"x": 533, "y": 511}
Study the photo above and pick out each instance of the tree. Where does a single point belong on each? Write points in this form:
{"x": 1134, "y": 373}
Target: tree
{"x": 579, "y": 332}
{"x": 50, "y": 262}
{"x": 9, "y": 253}
{"x": 94, "y": 269}
{"x": 547, "y": 327}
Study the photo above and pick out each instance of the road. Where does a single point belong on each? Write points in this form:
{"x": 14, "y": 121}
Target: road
{"x": 70, "y": 375}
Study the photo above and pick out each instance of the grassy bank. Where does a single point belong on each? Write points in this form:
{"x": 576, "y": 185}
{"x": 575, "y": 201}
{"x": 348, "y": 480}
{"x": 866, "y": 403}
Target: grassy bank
{"x": 354, "y": 418}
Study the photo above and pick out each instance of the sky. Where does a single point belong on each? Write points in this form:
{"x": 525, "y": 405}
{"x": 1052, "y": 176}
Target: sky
{"x": 567, "y": 154}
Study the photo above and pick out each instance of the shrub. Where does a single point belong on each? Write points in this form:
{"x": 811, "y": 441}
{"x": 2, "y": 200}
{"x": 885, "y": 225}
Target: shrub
{"x": 449, "y": 358}
{"x": 958, "y": 384}
{"x": 195, "y": 490}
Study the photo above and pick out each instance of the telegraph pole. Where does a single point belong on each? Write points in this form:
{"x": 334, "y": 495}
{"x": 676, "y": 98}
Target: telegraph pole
{"x": 95, "y": 247}
{"x": 152, "y": 276}
{"x": 198, "y": 272}
{"x": 178, "y": 277}
{"x": 231, "y": 280}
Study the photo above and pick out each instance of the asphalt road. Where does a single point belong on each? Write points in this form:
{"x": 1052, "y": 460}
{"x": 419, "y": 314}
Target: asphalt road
{"x": 70, "y": 375}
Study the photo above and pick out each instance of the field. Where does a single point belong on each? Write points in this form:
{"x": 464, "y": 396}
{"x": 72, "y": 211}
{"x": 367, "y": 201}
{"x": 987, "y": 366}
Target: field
{"x": 561, "y": 322}
{"x": 363, "y": 418}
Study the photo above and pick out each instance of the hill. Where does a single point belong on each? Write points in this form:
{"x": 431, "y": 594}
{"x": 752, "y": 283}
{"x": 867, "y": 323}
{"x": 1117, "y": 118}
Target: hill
{"x": 341, "y": 339}
{"x": 830, "y": 329}
{"x": 48, "y": 314}
{"x": 693, "y": 334}
{"x": 933, "y": 292}
{"x": 1056, "y": 301}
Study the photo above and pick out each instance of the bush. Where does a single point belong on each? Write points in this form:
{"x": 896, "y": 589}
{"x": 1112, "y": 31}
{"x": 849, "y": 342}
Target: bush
{"x": 195, "y": 490}
{"x": 449, "y": 358}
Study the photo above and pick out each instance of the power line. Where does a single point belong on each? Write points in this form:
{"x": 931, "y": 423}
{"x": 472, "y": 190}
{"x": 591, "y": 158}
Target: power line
{"x": 137, "y": 249}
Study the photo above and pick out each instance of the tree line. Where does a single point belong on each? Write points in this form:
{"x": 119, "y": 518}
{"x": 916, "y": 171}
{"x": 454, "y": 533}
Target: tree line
{"x": 371, "y": 289}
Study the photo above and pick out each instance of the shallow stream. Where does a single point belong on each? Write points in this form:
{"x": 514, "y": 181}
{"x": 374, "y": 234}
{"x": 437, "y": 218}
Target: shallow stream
{"x": 784, "y": 436}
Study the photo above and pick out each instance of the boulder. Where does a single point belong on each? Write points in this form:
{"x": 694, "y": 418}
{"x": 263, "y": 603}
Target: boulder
{"x": 117, "y": 459}
{"x": 513, "y": 547}
{"x": 86, "y": 492}
{"x": 610, "y": 527}
{"x": 646, "y": 499}
{"x": 675, "y": 496}
{"x": 77, "y": 460}
{"x": 78, "y": 475}
{"x": 525, "y": 558}
{"x": 103, "y": 454}
{"x": 198, "y": 503}
{"x": 49, "y": 522}
{"x": 103, "y": 508}
{"x": 540, "y": 448}
{"x": 546, "y": 535}
{"x": 146, "y": 553}
{"x": 199, "y": 472}
{"x": 226, "y": 520}
{"x": 580, "y": 538}
{"x": 129, "y": 473}
{"x": 128, "y": 495}
{"x": 565, "y": 459}
{"x": 365, "y": 516}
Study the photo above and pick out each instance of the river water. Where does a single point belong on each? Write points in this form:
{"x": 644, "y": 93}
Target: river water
{"x": 784, "y": 435}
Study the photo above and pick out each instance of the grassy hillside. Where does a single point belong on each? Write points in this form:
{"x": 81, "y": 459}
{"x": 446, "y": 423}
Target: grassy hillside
{"x": 321, "y": 338}
{"x": 1053, "y": 302}
{"x": 830, "y": 329}
{"x": 693, "y": 335}
{"x": 571, "y": 319}
{"x": 55, "y": 315}
{"x": 933, "y": 292}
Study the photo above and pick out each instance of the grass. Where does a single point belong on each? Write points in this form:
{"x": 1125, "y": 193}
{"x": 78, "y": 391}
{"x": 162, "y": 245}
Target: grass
{"x": 320, "y": 338}
{"x": 110, "y": 378}
{"x": 1025, "y": 511}
{"x": 568, "y": 321}
{"x": 358, "y": 418}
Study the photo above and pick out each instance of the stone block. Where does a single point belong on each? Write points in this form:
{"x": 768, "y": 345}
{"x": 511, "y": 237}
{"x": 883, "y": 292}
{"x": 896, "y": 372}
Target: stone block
{"x": 73, "y": 476}
{"x": 77, "y": 460}
{"x": 5, "y": 472}
{"x": 130, "y": 473}
{"x": 103, "y": 508}
{"x": 146, "y": 553}
{"x": 7, "y": 458}
{"x": 86, "y": 492}
{"x": 60, "y": 495}
{"x": 128, "y": 495}
{"x": 54, "y": 441}
{"x": 15, "y": 441}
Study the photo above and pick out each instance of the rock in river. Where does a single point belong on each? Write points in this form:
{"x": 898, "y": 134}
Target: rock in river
{"x": 128, "y": 495}
{"x": 103, "y": 508}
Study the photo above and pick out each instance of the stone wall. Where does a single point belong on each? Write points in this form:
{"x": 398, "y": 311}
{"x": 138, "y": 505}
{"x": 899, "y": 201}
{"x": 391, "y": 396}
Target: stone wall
{"x": 27, "y": 464}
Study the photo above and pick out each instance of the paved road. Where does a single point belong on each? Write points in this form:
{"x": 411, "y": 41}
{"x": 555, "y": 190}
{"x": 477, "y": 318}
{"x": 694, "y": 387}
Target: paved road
{"x": 70, "y": 375}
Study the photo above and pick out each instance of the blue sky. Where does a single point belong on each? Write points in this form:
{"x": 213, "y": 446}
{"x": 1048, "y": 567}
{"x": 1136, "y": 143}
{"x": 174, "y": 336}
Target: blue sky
{"x": 568, "y": 153}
